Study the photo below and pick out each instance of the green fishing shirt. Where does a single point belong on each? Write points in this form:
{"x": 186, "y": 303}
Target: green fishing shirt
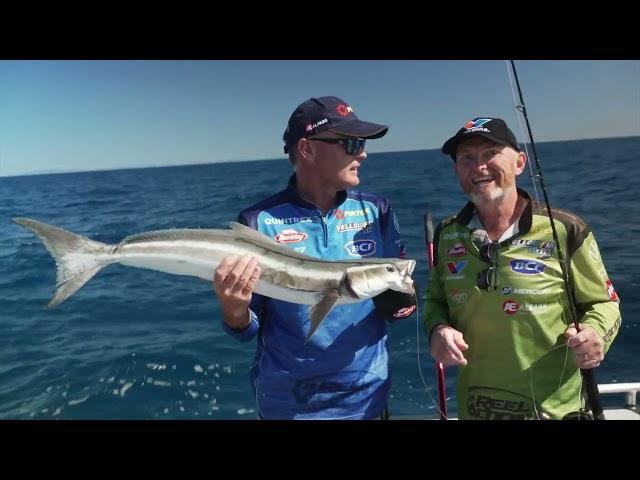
{"x": 517, "y": 353}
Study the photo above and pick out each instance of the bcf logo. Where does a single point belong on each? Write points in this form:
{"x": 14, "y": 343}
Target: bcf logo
{"x": 361, "y": 248}
{"x": 527, "y": 267}
{"x": 510, "y": 307}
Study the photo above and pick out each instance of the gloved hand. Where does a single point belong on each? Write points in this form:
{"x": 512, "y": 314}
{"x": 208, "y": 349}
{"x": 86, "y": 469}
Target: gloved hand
{"x": 394, "y": 305}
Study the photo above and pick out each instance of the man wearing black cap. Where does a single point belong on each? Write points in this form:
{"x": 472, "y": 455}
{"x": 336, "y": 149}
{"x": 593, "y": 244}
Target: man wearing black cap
{"x": 496, "y": 304}
{"x": 341, "y": 372}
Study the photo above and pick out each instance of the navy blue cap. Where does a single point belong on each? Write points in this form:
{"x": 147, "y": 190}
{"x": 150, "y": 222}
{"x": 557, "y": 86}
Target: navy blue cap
{"x": 494, "y": 129}
{"x": 327, "y": 114}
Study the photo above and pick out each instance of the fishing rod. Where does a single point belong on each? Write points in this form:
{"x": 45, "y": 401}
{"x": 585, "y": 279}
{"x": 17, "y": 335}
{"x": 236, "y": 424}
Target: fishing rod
{"x": 588, "y": 375}
{"x": 428, "y": 235}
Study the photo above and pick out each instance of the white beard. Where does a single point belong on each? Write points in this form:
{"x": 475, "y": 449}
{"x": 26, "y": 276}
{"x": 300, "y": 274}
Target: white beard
{"x": 495, "y": 196}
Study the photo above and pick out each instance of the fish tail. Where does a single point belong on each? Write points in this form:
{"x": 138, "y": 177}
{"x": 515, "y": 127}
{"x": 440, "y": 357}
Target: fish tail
{"x": 77, "y": 258}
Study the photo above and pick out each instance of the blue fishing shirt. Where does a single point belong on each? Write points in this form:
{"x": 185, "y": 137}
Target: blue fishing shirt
{"x": 342, "y": 371}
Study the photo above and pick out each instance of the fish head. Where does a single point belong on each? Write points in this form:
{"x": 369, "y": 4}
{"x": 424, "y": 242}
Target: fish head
{"x": 366, "y": 281}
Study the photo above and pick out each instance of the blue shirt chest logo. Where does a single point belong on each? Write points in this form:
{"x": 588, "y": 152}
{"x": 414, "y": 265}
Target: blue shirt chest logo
{"x": 361, "y": 248}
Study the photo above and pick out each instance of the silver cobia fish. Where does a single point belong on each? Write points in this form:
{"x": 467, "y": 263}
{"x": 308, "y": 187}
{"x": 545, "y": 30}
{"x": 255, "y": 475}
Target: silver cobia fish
{"x": 286, "y": 274}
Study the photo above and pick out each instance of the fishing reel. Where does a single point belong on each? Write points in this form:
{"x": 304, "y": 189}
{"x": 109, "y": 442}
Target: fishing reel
{"x": 579, "y": 415}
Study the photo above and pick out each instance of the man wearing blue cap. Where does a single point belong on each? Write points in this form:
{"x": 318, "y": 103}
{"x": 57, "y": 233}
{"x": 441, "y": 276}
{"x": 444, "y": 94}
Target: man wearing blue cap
{"x": 341, "y": 372}
{"x": 497, "y": 304}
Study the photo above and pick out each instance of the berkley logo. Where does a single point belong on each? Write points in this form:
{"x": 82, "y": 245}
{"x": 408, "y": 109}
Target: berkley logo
{"x": 290, "y": 236}
{"x": 458, "y": 250}
{"x": 405, "y": 312}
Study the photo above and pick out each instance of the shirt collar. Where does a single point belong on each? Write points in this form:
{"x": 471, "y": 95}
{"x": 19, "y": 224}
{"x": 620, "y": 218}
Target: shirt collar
{"x": 295, "y": 197}
{"x": 468, "y": 217}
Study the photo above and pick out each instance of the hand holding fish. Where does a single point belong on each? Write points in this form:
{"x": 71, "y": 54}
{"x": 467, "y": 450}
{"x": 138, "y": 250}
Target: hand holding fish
{"x": 233, "y": 282}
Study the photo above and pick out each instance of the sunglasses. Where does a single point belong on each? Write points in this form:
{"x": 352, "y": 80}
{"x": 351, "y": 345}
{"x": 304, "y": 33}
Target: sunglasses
{"x": 352, "y": 146}
{"x": 488, "y": 278}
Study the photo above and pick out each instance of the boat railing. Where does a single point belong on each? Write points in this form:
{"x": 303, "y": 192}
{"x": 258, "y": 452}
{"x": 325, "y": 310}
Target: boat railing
{"x": 630, "y": 389}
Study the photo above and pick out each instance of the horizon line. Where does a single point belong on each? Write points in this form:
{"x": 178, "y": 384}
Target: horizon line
{"x": 62, "y": 172}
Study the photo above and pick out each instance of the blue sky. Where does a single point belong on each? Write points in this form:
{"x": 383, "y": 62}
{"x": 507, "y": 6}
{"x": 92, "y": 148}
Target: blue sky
{"x": 95, "y": 115}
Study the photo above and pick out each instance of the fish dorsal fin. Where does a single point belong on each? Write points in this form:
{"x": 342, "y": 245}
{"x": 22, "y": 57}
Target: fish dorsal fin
{"x": 270, "y": 244}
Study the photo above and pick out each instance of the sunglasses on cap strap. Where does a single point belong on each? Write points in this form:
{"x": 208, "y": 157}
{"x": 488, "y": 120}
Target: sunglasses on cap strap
{"x": 352, "y": 146}
{"x": 488, "y": 278}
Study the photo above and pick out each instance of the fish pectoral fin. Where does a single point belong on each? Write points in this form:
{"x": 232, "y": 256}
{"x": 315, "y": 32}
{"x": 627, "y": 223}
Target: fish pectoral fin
{"x": 320, "y": 310}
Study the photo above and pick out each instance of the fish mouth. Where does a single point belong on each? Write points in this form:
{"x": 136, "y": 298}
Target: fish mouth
{"x": 409, "y": 267}
{"x": 353, "y": 292}
{"x": 407, "y": 280}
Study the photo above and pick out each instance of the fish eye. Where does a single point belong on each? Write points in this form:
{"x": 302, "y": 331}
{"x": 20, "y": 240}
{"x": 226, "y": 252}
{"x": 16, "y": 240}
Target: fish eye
{"x": 390, "y": 268}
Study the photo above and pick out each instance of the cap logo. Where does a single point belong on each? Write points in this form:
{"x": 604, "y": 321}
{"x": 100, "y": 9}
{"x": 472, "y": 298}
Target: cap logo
{"x": 344, "y": 110}
{"x": 311, "y": 126}
{"x": 477, "y": 125}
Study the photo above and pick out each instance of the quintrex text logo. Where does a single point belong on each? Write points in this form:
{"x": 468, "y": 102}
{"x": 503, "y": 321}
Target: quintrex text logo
{"x": 458, "y": 250}
{"x": 290, "y": 236}
{"x": 286, "y": 221}
{"x": 526, "y": 267}
{"x": 474, "y": 126}
{"x": 361, "y": 248}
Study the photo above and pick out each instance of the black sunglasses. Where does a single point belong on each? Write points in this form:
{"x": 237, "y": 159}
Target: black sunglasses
{"x": 488, "y": 278}
{"x": 352, "y": 146}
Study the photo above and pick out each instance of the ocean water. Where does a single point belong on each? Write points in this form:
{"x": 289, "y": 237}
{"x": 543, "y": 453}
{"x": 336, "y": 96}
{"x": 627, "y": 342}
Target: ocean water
{"x": 136, "y": 344}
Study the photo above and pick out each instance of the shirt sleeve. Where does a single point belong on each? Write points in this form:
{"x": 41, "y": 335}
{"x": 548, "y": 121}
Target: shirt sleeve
{"x": 596, "y": 300}
{"x": 392, "y": 244}
{"x": 246, "y": 334}
{"x": 256, "y": 310}
{"x": 436, "y": 309}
